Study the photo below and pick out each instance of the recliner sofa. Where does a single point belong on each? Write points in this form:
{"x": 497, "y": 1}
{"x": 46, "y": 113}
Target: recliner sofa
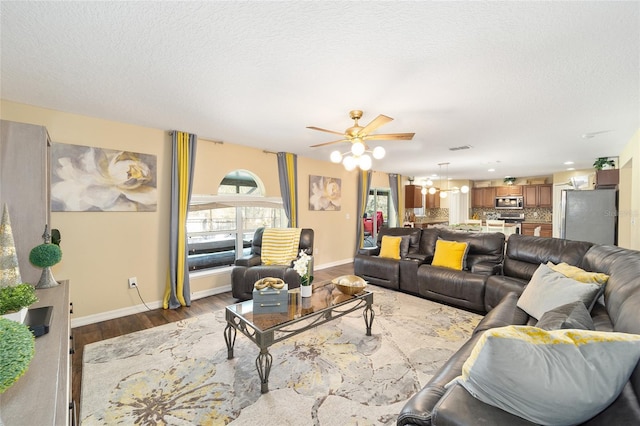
{"x": 618, "y": 310}
{"x": 413, "y": 272}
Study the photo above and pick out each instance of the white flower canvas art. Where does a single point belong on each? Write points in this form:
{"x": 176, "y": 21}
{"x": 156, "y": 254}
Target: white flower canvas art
{"x": 325, "y": 193}
{"x": 85, "y": 178}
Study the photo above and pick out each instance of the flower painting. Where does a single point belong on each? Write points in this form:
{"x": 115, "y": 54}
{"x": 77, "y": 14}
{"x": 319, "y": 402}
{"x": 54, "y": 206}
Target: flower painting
{"x": 325, "y": 193}
{"x": 85, "y": 178}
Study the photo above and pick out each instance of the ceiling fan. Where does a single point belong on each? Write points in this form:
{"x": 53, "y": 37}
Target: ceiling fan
{"x": 363, "y": 133}
{"x": 357, "y": 136}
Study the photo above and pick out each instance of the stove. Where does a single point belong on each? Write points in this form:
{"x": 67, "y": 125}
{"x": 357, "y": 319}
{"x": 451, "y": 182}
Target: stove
{"x": 511, "y": 217}
{"x": 515, "y": 218}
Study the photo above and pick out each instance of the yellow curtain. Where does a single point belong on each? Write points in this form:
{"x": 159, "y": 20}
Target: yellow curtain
{"x": 178, "y": 291}
{"x": 288, "y": 176}
{"x": 364, "y": 184}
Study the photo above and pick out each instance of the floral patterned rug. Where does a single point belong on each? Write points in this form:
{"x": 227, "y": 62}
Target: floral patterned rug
{"x": 179, "y": 374}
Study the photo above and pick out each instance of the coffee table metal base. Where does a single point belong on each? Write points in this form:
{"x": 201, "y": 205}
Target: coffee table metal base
{"x": 266, "y": 338}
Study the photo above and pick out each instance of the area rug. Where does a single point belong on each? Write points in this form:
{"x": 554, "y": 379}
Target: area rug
{"x": 179, "y": 374}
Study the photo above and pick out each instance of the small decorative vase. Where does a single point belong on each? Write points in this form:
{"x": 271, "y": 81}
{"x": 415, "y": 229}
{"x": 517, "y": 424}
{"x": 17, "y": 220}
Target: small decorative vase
{"x": 306, "y": 290}
{"x": 46, "y": 279}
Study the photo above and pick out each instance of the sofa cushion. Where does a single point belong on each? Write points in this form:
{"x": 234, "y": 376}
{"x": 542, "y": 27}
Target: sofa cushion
{"x": 390, "y": 247}
{"x": 450, "y": 254}
{"x": 483, "y": 247}
{"x": 540, "y": 375}
{"x": 579, "y": 274}
{"x": 571, "y": 315}
{"x": 524, "y": 253}
{"x": 412, "y": 233}
{"x": 549, "y": 289}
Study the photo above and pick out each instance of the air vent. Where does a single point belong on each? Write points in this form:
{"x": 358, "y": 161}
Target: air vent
{"x": 459, "y": 148}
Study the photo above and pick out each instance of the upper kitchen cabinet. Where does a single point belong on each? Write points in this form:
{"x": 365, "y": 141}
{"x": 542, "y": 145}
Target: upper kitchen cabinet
{"x": 432, "y": 201}
{"x": 508, "y": 190}
{"x": 483, "y": 197}
{"x": 24, "y": 187}
{"x": 607, "y": 178}
{"x": 538, "y": 196}
{"x": 412, "y": 197}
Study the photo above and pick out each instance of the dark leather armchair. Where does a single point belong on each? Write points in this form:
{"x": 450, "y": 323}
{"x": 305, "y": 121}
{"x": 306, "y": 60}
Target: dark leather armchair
{"x": 248, "y": 270}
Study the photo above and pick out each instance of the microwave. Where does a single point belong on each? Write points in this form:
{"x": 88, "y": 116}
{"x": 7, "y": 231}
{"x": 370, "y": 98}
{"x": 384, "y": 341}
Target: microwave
{"x": 509, "y": 202}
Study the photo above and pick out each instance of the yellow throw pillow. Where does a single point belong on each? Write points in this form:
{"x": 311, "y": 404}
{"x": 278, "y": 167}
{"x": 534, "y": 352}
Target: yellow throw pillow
{"x": 450, "y": 254}
{"x": 579, "y": 274}
{"x": 390, "y": 247}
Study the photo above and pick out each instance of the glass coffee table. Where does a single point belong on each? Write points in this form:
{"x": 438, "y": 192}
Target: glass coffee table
{"x": 300, "y": 314}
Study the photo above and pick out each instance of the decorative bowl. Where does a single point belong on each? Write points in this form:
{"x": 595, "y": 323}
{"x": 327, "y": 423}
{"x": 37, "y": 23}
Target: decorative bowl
{"x": 349, "y": 284}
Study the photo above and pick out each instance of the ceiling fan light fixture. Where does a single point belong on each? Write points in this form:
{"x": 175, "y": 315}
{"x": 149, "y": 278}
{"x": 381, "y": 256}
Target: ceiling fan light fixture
{"x": 429, "y": 182}
{"x": 464, "y": 189}
{"x": 357, "y": 147}
{"x": 365, "y": 162}
{"x": 336, "y": 157}
{"x": 432, "y": 190}
{"x": 379, "y": 152}
{"x": 349, "y": 163}
{"x": 423, "y": 191}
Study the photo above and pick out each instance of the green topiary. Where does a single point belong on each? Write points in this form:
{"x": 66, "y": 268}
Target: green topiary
{"x": 17, "y": 347}
{"x": 45, "y": 255}
{"x": 14, "y": 298}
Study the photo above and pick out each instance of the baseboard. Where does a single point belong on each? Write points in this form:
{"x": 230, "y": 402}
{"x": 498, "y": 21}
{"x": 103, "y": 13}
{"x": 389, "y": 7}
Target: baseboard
{"x": 130, "y": 310}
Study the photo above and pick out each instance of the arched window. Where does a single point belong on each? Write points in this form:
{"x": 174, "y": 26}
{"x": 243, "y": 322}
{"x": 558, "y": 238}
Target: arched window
{"x": 220, "y": 227}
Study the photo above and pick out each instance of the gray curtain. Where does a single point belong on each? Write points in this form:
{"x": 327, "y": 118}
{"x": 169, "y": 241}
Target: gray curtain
{"x": 178, "y": 290}
{"x": 288, "y": 175}
{"x": 394, "y": 185}
{"x": 364, "y": 184}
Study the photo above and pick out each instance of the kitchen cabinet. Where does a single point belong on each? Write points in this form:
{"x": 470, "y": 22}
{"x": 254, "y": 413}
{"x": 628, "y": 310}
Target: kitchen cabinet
{"x": 508, "y": 190}
{"x": 528, "y": 228}
{"x": 483, "y": 197}
{"x": 412, "y": 197}
{"x": 538, "y": 196}
{"x": 607, "y": 178}
{"x": 432, "y": 201}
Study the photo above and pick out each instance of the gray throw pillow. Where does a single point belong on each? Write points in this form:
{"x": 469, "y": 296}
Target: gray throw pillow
{"x": 558, "y": 377}
{"x": 549, "y": 289}
{"x": 571, "y": 315}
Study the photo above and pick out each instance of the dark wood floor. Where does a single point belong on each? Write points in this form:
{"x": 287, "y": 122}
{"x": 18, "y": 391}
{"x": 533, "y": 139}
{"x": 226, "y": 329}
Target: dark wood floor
{"x": 116, "y": 327}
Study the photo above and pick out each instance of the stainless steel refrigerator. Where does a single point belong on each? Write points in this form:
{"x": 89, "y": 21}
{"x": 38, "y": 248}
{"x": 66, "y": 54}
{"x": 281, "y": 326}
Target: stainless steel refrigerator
{"x": 590, "y": 215}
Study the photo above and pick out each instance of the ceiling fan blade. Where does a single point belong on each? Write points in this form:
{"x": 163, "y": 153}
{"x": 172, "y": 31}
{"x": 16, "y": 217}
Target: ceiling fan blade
{"x": 329, "y": 143}
{"x": 377, "y": 122}
{"x": 325, "y": 130}
{"x": 390, "y": 137}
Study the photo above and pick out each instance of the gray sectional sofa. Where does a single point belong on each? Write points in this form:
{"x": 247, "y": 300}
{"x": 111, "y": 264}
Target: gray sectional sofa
{"x": 492, "y": 284}
{"x": 413, "y": 272}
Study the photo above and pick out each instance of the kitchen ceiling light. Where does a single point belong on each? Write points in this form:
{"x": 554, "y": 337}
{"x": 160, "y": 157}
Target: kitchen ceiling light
{"x": 336, "y": 157}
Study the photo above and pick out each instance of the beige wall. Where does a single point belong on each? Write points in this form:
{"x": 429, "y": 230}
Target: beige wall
{"x": 102, "y": 249}
{"x": 629, "y": 204}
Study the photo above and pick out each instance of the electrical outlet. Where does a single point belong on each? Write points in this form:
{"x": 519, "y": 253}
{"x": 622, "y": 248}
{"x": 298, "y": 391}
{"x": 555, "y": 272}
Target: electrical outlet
{"x": 133, "y": 282}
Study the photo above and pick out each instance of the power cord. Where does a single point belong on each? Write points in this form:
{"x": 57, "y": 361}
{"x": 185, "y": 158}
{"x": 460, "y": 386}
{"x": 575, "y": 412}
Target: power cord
{"x": 141, "y": 299}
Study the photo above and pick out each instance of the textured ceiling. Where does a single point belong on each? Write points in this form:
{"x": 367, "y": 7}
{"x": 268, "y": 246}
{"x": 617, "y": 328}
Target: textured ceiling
{"x": 518, "y": 81}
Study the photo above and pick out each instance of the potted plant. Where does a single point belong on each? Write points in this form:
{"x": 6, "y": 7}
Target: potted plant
{"x": 509, "y": 180}
{"x": 45, "y": 256}
{"x": 301, "y": 265}
{"x": 14, "y": 301}
{"x": 17, "y": 348}
{"x": 604, "y": 163}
